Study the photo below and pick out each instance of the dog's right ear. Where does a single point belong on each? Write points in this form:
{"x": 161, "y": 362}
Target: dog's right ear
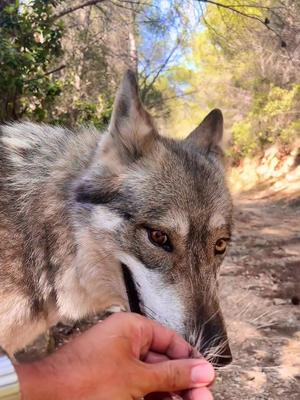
{"x": 208, "y": 135}
{"x": 131, "y": 130}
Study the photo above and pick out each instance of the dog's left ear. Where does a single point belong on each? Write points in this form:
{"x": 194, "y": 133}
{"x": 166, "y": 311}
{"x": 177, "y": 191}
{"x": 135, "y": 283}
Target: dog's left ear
{"x": 131, "y": 126}
{"x": 208, "y": 135}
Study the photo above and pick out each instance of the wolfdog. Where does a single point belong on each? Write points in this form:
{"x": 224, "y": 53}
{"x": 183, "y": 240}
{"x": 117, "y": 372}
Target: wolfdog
{"x": 126, "y": 218}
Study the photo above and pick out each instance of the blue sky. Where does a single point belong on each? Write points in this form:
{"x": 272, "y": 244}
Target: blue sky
{"x": 158, "y": 39}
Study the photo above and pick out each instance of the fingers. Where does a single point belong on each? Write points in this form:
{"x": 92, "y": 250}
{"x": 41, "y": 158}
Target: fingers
{"x": 147, "y": 335}
{"x": 153, "y": 358}
{"x": 198, "y": 394}
{"x": 192, "y": 394}
{"x": 176, "y": 375}
{"x": 158, "y": 396}
{"x": 160, "y": 339}
{"x": 167, "y": 365}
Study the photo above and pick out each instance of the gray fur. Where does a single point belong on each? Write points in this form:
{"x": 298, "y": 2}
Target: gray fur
{"x": 75, "y": 205}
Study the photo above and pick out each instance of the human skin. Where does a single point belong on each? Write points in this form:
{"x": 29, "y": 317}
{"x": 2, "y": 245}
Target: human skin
{"x": 125, "y": 357}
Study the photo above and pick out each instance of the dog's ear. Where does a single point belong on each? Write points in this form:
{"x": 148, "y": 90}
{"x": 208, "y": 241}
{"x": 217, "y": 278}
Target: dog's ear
{"x": 208, "y": 135}
{"x": 130, "y": 134}
{"x": 131, "y": 128}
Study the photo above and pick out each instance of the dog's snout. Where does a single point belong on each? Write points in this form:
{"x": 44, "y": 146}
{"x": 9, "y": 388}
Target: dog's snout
{"x": 224, "y": 358}
{"x": 210, "y": 338}
{"x": 218, "y": 354}
{"x": 214, "y": 345}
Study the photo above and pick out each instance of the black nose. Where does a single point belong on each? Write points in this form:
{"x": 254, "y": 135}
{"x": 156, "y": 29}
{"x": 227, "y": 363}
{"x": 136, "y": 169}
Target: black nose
{"x": 214, "y": 344}
{"x": 222, "y": 357}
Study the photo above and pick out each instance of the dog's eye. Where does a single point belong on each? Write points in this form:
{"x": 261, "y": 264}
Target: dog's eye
{"x": 220, "y": 246}
{"x": 159, "y": 238}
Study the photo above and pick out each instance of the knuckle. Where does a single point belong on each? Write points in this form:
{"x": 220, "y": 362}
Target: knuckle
{"x": 120, "y": 316}
{"x": 127, "y": 320}
{"x": 172, "y": 375}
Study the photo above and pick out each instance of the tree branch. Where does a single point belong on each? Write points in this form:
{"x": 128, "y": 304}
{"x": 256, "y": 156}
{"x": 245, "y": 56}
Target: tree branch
{"x": 75, "y": 8}
{"x": 47, "y": 73}
{"x": 233, "y": 9}
{"x": 160, "y": 69}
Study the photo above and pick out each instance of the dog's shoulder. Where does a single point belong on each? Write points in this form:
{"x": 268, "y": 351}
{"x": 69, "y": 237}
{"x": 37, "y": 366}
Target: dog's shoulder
{"x": 21, "y": 140}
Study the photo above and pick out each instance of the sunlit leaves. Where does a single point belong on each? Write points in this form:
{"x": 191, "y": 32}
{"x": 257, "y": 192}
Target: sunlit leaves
{"x": 29, "y": 44}
{"x": 238, "y": 65}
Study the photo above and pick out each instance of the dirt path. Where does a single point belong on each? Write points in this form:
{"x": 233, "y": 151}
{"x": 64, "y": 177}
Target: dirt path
{"x": 260, "y": 286}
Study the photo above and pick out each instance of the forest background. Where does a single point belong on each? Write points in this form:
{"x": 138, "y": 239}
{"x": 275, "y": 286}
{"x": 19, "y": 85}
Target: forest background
{"x": 61, "y": 62}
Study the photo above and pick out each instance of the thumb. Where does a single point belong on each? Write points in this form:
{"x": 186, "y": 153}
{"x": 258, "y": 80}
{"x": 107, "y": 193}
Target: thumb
{"x": 176, "y": 375}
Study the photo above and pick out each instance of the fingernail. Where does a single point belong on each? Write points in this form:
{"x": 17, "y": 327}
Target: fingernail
{"x": 203, "y": 373}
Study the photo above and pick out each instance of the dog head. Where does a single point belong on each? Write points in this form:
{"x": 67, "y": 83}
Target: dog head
{"x": 164, "y": 210}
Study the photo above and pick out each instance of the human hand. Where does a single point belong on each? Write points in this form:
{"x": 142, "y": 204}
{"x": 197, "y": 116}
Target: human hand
{"x": 125, "y": 357}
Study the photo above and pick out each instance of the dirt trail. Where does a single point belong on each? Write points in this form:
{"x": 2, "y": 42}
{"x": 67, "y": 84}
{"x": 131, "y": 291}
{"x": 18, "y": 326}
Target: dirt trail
{"x": 260, "y": 286}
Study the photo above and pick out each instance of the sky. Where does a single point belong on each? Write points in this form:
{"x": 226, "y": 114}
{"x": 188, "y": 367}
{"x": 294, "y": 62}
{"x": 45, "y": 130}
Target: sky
{"x": 174, "y": 21}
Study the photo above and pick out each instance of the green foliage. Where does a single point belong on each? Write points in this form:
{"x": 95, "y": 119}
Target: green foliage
{"x": 273, "y": 118}
{"x": 30, "y": 43}
{"x": 229, "y": 61}
{"x": 236, "y": 64}
{"x": 97, "y": 114}
{"x": 244, "y": 142}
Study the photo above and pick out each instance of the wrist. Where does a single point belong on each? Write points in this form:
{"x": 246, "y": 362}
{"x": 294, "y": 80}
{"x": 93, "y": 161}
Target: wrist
{"x": 29, "y": 380}
{"x": 39, "y": 380}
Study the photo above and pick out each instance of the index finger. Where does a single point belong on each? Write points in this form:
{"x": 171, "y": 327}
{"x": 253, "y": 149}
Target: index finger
{"x": 148, "y": 335}
{"x": 160, "y": 339}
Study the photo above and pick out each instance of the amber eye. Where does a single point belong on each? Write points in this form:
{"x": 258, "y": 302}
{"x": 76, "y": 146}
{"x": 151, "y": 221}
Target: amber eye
{"x": 220, "y": 246}
{"x": 159, "y": 238}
